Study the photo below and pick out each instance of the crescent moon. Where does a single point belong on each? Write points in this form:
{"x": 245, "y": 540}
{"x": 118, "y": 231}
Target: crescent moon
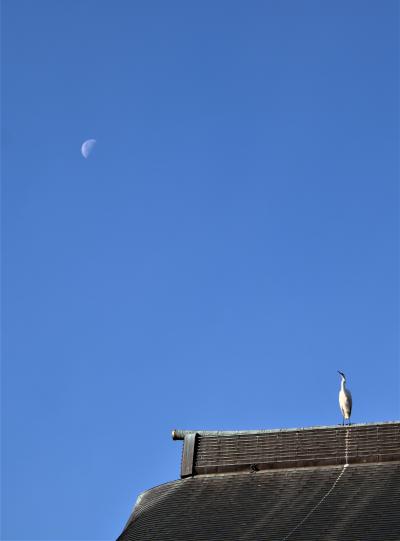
{"x": 87, "y": 147}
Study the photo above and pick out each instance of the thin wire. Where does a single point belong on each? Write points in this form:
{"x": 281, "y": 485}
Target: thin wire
{"x": 346, "y": 454}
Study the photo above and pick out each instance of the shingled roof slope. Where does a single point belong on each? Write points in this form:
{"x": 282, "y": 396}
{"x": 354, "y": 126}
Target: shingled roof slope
{"x": 352, "y": 498}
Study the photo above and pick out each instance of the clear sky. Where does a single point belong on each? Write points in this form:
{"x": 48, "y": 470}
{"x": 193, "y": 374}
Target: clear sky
{"x": 230, "y": 243}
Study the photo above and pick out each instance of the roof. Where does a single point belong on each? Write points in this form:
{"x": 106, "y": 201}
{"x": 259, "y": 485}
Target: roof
{"x": 331, "y": 483}
{"x": 221, "y": 452}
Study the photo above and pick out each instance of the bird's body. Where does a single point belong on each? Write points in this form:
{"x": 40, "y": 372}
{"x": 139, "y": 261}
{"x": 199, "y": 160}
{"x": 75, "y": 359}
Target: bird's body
{"x": 345, "y": 400}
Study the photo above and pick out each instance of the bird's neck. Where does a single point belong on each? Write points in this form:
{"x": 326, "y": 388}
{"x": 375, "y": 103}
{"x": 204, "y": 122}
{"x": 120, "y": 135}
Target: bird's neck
{"x": 343, "y": 384}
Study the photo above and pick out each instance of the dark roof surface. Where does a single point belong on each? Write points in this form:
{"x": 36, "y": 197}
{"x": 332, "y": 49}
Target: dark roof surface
{"x": 282, "y": 495}
{"x": 221, "y": 452}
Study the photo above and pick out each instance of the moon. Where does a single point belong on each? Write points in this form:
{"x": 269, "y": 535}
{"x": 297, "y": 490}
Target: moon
{"x": 87, "y": 147}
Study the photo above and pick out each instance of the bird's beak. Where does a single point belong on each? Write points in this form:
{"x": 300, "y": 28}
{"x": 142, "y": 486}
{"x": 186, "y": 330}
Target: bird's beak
{"x": 341, "y": 373}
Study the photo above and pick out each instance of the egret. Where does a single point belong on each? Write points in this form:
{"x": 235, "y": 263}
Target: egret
{"x": 345, "y": 400}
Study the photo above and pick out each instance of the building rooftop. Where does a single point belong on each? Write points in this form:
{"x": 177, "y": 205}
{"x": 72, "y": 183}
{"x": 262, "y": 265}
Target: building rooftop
{"x": 332, "y": 483}
{"x": 223, "y": 452}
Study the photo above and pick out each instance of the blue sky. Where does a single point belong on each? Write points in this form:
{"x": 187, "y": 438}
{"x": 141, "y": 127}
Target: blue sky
{"x": 231, "y": 242}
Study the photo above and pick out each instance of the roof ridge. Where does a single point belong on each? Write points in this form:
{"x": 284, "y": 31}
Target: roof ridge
{"x": 180, "y": 434}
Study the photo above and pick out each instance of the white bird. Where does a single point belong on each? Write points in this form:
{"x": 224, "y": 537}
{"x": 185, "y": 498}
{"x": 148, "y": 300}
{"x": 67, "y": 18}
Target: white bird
{"x": 345, "y": 400}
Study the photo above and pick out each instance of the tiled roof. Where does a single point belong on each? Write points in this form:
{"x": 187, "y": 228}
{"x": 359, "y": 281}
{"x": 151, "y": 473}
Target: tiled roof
{"x": 219, "y": 452}
{"x": 296, "y": 485}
